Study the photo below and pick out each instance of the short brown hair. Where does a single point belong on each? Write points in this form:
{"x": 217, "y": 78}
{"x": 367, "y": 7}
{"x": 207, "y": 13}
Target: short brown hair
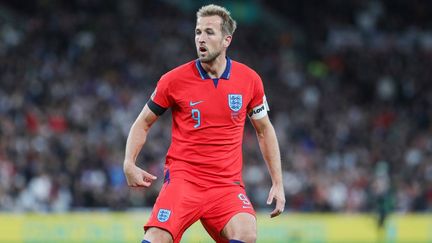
{"x": 228, "y": 25}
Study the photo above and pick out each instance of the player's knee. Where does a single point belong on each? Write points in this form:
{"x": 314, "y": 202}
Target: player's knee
{"x": 154, "y": 234}
{"x": 247, "y": 235}
{"x": 241, "y": 227}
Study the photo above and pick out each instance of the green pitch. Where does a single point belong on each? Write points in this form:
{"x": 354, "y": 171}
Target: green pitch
{"x": 299, "y": 228}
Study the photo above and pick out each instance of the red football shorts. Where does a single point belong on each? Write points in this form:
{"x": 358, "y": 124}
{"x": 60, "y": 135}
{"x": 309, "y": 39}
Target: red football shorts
{"x": 181, "y": 203}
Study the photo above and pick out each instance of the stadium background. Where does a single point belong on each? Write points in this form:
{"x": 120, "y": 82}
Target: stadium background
{"x": 348, "y": 83}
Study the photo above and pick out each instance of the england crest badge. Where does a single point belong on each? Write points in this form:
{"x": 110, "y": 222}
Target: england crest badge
{"x": 235, "y": 101}
{"x": 163, "y": 215}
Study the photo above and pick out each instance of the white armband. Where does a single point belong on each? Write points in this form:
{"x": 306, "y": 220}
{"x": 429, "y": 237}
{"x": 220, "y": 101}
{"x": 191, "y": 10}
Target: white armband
{"x": 259, "y": 111}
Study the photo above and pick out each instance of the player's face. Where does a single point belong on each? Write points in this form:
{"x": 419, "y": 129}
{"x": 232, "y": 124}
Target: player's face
{"x": 209, "y": 39}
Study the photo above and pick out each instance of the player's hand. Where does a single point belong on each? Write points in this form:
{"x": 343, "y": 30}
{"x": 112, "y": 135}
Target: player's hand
{"x": 137, "y": 177}
{"x": 277, "y": 193}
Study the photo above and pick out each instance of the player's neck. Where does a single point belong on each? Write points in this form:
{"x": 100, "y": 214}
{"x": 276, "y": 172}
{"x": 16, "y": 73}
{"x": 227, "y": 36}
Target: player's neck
{"x": 215, "y": 68}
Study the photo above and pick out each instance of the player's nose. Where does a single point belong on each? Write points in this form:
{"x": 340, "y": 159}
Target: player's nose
{"x": 201, "y": 39}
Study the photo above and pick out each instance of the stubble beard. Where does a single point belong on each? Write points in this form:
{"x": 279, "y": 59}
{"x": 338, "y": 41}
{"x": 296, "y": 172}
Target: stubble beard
{"x": 210, "y": 57}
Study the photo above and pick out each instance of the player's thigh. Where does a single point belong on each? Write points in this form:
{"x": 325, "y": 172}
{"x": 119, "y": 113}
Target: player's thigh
{"x": 224, "y": 205}
{"x": 241, "y": 226}
{"x": 177, "y": 207}
{"x": 154, "y": 234}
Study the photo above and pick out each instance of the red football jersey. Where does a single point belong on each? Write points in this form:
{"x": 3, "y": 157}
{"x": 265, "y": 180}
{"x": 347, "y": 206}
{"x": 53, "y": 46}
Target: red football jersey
{"x": 208, "y": 119}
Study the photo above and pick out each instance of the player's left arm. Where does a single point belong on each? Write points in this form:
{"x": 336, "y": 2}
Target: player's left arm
{"x": 270, "y": 150}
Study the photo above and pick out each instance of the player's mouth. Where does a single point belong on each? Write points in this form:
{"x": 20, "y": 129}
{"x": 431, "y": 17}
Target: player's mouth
{"x": 202, "y": 49}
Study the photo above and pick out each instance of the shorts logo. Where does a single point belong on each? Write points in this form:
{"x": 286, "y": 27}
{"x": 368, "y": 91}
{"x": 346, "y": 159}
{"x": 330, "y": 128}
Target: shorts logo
{"x": 163, "y": 215}
{"x": 235, "y": 101}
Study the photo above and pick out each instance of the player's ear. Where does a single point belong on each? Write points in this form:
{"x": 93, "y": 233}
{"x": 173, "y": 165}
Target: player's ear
{"x": 227, "y": 40}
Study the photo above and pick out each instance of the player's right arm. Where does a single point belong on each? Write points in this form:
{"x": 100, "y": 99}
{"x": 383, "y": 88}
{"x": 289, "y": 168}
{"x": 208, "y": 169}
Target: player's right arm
{"x": 135, "y": 176}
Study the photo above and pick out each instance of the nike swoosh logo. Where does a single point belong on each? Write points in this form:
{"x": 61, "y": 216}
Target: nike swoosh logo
{"x": 195, "y": 103}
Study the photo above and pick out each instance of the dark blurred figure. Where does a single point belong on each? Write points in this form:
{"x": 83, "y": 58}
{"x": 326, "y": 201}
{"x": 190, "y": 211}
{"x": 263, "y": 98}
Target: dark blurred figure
{"x": 348, "y": 83}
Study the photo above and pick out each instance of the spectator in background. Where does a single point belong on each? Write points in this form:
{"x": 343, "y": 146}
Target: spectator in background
{"x": 350, "y": 90}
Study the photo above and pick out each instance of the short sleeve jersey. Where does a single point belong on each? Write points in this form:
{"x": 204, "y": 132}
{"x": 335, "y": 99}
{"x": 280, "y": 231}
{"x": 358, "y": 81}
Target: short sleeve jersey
{"x": 208, "y": 119}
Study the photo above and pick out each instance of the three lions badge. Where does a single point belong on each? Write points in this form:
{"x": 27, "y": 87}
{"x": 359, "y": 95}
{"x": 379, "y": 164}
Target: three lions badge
{"x": 235, "y": 102}
{"x": 163, "y": 215}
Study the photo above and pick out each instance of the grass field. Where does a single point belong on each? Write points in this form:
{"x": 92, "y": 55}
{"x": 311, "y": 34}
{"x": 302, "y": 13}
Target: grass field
{"x": 127, "y": 227}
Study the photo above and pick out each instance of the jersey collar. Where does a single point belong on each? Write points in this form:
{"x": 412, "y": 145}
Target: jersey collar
{"x": 204, "y": 75}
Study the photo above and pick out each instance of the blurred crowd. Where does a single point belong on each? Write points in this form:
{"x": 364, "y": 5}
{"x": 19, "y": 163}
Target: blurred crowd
{"x": 350, "y": 99}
